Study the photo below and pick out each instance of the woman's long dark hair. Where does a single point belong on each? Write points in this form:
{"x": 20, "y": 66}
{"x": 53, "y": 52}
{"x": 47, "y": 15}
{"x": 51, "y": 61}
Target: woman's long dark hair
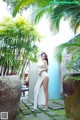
{"x": 46, "y": 56}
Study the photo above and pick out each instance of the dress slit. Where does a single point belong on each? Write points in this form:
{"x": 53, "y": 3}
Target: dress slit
{"x": 39, "y": 95}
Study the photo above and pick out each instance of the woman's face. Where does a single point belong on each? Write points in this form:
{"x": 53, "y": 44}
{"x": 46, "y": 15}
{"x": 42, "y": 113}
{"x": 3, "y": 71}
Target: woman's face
{"x": 43, "y": 56}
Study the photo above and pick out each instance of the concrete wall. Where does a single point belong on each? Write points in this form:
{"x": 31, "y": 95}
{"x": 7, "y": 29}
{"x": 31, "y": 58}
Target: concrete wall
{"x": 63, "y": 70}
{"x": 54, "y": 80}
{"x": 33, "y": 75}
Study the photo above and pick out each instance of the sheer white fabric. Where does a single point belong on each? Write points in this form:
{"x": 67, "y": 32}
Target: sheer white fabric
{"x": 39, "y": 95}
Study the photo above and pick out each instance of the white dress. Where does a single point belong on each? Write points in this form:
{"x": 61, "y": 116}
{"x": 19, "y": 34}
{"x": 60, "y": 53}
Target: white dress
{"x": 39, "y": 95}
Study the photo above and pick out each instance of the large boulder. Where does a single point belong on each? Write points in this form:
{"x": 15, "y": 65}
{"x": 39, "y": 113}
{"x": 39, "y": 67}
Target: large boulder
{"x": 10, "y": 91}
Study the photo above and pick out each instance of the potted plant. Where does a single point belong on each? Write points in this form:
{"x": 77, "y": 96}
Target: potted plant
{"x": 17, "y": 46}
{"x": 71, "y": 81}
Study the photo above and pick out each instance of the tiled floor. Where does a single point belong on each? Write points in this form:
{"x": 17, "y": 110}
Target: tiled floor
{"x": 55, "y": 110}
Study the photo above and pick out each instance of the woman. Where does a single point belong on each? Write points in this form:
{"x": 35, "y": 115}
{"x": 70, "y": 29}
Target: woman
{"x": 41, "y": 88}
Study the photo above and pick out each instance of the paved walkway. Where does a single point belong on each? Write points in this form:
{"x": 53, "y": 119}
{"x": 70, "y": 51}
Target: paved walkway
{"x": 55, "y": 111}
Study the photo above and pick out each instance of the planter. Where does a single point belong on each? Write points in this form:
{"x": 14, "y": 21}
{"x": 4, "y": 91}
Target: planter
{"x": 10, "y": 91}
{"x": 71, "y": 89}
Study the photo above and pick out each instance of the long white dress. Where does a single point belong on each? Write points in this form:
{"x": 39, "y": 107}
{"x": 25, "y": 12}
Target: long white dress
{"x": 39, "y": 95}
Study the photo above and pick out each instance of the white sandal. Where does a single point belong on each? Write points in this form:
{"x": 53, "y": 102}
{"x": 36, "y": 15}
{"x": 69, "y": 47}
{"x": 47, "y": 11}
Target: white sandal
{"x": 45, "y": 108}
{"x": 34, "y": 110}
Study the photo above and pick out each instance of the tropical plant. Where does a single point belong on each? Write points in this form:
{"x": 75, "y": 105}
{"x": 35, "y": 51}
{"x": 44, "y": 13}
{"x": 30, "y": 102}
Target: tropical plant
{"x": 74, "y": 65}
{"x": 72, "y": 47}
{"x": 55, "y": 10}
{"x": 11, "y": 4}
{"x": 17, "y": 44}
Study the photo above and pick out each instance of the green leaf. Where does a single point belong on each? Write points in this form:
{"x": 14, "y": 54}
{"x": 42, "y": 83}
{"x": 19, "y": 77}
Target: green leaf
{"x": 22, "y": 4}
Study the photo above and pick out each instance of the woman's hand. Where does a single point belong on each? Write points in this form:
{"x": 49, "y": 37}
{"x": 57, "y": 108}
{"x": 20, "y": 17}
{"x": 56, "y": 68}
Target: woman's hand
{"x": 40, "y": 73}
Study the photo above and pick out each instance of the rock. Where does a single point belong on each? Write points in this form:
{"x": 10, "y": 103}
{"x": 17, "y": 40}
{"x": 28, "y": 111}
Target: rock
{"x": 10, "y": 92}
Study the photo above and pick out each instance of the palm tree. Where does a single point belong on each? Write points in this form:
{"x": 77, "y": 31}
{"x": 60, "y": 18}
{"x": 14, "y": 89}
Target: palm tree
{"x": 55, "y": 11}
{"x": 72, "y": 47}
{"x": 68, "y": 11}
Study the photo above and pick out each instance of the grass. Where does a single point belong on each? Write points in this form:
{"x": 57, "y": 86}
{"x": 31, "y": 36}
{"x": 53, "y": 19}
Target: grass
{"x": 19, "y": 116}
{"x": 59, "y": 112}
{"x": 62, "y": 113}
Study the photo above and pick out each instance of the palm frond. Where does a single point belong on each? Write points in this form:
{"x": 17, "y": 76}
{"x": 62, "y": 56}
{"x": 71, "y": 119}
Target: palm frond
{"x": 55, "y": 22}
{"x": 42, "y": 3}
{"x": 67, "y": 11}
{"x": 73, "y": 14}
{"x": 39, "y": 11}
{"x": 55, "y": 16}
{"x": 77, "y": 27}
{"x": 72, "y": 77}
{"x": 55, "y": 12}
{"x": 22, "y": 4}
{"x": 59, "y": 50}
{"x": 72, "y": 66}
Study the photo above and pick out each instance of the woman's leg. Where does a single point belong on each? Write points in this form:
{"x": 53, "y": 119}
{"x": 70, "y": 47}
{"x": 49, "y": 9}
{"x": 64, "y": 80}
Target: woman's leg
{"x": 45, "y": 86}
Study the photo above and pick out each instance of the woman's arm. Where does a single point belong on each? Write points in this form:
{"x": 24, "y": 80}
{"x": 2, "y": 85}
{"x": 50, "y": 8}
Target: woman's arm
{"x": 46, "y": 66}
